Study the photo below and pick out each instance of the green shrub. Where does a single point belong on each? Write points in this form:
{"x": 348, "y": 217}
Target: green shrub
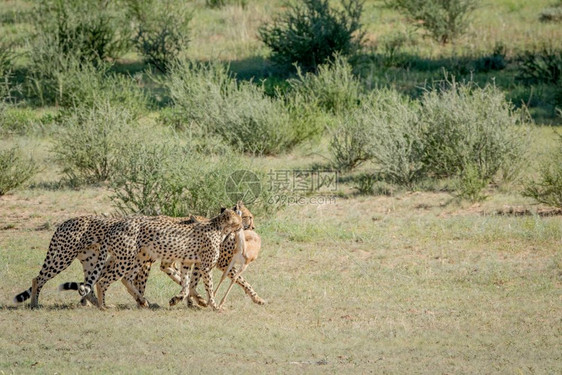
{"x": 445, "y": 20}
{"x": 208, "y": 100}
{"x": 88, "y": 142}
{"x": 83, "y": 84}
{"x": 350, "y": 141}
{"x": 333, "y": 88}
{"x": 469, "y": 126}
{"x": 397, "y": 142}
{"x": 222, "y": 3}
{"x": 470, "y": 184}
{"x": 169, "y": 179}
{"x": 86, "y": 85}
{"x": 551, "y": 14}
{"x": 542, "y": 65}
{"x": 311, "y": 32}
{"x": 15, "y": 170}
{"x": 548, "y": 189}
{"x": 72, "y": 36}
{"x": 16, "y": 120}
{"x": 7, "y": 55}
{"x": 162, "y": 30}
{"x": 91, "y": 30}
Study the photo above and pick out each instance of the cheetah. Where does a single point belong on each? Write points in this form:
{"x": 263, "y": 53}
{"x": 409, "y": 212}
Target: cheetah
{"x": 78, "y": 237}
{"x": 227, "y": 250}
{"x": 134, "y": 241}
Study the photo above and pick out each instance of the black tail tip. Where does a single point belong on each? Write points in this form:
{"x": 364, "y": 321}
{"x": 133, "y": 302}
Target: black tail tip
{"x": 69, "y": 286}
{"x": 22, "y": 297}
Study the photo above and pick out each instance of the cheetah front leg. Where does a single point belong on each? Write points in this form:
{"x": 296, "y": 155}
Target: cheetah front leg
{"x": 208, "y": 281}
{"x": 194, "y": 280}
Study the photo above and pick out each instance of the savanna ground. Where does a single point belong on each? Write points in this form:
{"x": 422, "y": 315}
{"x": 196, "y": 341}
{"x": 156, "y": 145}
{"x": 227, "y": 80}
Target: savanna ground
{"x": 411, "y": 282}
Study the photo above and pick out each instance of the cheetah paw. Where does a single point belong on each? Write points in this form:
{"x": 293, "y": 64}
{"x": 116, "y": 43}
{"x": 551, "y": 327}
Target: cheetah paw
{"x": 177, "y": 299}
{"x": 259, "y": 301}
{"x": 83, "y": 290}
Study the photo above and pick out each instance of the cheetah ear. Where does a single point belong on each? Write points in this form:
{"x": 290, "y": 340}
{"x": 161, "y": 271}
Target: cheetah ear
{"x": 222, "y": 209}
{"x": 240, "y": 204}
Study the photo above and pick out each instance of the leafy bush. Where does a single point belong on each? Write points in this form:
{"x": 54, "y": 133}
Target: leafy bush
{"x": 460, "y": 131}
{"x": 397, "y": 143}
{"x": 162, "y": 30}
{"x": 169, "y": 179}
{"x": 470, "y": 184}
{"x": 208, "y": 100}
{"x": 90, "y": 30}
{"x": 7, "y": 55}
{"x": 15, "y": 120}
{"x": 222, "y": 3}
{"x": 15, "y": 170}
{"x": 543, "y": 65}
{"x": 311, "y": 32}
{"x": 72, "y": 36}
{"x": 350, "y": 140}
{"x": 334, "y": 88}
{"x": 88, "y": 143}
{"x": 469, "y": 126}
{"x": 551, "y": 14}
{"x": 445, "y": 20}
{"x": 548, "y": 189}
{"x": 82, "y": 84}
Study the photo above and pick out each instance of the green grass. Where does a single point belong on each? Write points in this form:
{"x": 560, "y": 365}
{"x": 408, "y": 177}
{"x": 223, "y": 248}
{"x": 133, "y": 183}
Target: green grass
{"x": 399, "y": 284}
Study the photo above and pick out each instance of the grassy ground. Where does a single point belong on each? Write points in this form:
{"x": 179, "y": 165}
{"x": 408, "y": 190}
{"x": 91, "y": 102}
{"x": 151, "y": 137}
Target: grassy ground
{"x": 412, "y": 283}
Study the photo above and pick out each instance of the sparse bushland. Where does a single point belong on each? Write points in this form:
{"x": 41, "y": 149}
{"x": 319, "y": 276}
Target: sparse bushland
{"x": 444, "y": 20}
{"x": 91, "y": 30}
{"x": 311, "y": 32}
{"x": 541, "y": 65}
{"x": 161, "y": 30}
{"x": 465, "y": 125}
{"x": 170, "y": 179}
{"x": 334, "y": 88}
{"x": 552, "y": 13}
{"x": 13, "y": 118}
{"x": 459, "y": 131}
{"x": 88, "y": 142}
{"x": 15, "y": 169}
{"x": 222, "y": 3}
{"x": 207, "y": 99}
{"x": 350, "y": 141}
{"x": 72, "y": 36}
{"x": 548, "y": 188}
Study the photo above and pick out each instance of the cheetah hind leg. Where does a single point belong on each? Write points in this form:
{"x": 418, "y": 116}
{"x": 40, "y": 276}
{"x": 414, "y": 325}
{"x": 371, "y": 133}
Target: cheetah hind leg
{"x": 184, "y": 286}
{"x": 194, "y": 280}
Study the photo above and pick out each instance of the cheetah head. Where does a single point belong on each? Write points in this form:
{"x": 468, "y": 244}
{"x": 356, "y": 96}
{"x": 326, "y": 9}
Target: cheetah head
{"x": 229, "y": 221}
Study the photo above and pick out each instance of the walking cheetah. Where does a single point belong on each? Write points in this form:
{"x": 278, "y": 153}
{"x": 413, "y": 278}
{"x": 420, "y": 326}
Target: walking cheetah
{"x": 78, "y": 237}
{"x": 134, "y": 241}
{"x": 173, "y": 270}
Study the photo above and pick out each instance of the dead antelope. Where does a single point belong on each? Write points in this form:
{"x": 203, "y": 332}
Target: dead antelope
{"x": 248, "y": 245}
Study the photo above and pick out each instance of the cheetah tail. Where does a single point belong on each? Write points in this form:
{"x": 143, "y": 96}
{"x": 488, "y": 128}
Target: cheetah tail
{"x": 22, "y": 296}
{"x": 69, "y": 286}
